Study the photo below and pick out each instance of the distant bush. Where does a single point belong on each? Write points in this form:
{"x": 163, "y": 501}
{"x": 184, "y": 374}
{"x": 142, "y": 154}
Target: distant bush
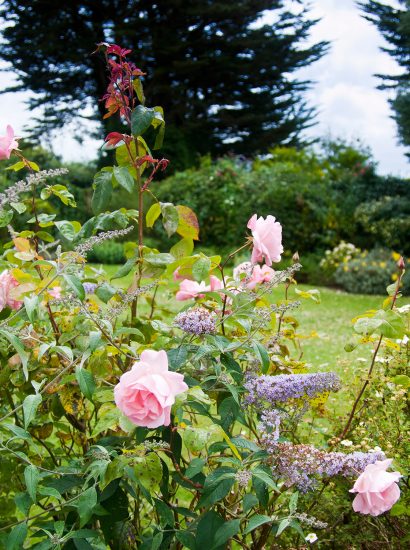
{"x": 370, "y": 273}
{"x": 108, "y": 252}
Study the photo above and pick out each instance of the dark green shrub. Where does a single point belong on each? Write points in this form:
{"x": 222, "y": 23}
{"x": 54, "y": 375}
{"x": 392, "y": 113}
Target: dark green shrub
{"x": 108, "y": 252}
{"x": 371, "y": 273}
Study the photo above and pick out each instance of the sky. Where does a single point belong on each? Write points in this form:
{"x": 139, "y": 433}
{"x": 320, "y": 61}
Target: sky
{"x": 345, "y": 91}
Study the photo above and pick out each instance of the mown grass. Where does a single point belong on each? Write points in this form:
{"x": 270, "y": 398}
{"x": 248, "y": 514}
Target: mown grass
{"x": 324, "y": 328}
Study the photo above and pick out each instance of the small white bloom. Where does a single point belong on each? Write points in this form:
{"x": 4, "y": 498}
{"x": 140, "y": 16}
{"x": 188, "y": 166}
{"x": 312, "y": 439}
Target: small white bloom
{"x": 376, "y": 449}
{"x": 311, "y": 537}
{"x": 346, "y": 443}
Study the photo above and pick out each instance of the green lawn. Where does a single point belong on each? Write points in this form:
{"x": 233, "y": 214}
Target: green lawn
{"x": 327, "y": 327}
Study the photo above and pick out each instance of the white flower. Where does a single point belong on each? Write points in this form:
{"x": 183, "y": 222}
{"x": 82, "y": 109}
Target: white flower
{"x": 311, "y": 537}
{"x": 346, "y": 443}
{"x": 376, "y": 449}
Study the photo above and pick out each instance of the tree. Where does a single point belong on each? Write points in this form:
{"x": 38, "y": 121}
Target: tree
{"x": 394, "y": 25}
{"x": 225, "y": 82}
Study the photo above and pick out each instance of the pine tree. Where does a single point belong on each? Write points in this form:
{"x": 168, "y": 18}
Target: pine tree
{"x": 394, "y": 24}
{"x": 226, "y": 83}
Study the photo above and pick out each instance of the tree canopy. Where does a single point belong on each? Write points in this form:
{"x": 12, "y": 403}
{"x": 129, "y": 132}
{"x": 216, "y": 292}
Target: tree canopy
{"x": 394, "y": 25}
{"x": 226, "y": 82}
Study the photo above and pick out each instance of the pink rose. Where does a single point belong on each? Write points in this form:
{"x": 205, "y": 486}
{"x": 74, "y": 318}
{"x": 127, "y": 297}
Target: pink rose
{"x": 267, "y": 239}
{"x": 215, "y": 284}
{"x": 191, "y": 289}
{"x": 259, "y": 275}
{"x": 377, "y": 489}
{"x": 7, "y": 143}
{"x": 146, "y": 393}
{"x": 7, "y": 283}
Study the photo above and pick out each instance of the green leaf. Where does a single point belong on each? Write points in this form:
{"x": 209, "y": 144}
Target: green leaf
{"x": 262, "y": 355}
{"x": 75, "y": 284}
{"x": 263, "y": 476}
{"x": 124, "y": 178}
{"x": 17, "y": 537}
{"x": 228, "y": 530}
{"x": 59, "y": 191}
{"x": 249, "y": 502}
{"x": 18, "y": 346}
{"x": 85, "y": 505}
{"x": 30, "y": 406}
{"x": 188, "y": 225}
{"x": 217, "y": 486}
{"x": 170, "y": 217}
{"x": 386, "y": 323}
{"x": 200, "y": 269}
{"x": 256, "y": 521}
{"x": 148, "y": 470}
{"x": 182, "y": 248}
{"x": 105, "y": 292}
{"x": 5, "y": 217}
{"x": 293, "y": 502}
{"x": 17, "y": 166}
{"x": 108, "y": 420}
{"x": 186, "y": 538}
{"x": 17, "y": 431}
{"x": 141, "y": 119}
{"x": 162, "y": 259}
{"x": 156, "y": 541}
{"x": 31, "y": 477}
{"x": 68, "y": 229}
{"x": 31, "y": 305}
{"x": 86, "y": 381}
{"x": 102, "y": 191}
{"x": 195, "y": 467}
{"x": 283, "y": 525}
{"x": 402, "y": 380}
{"x": 153, "y": 214}
{"x": 125, "y": 269}
{"x": 208, "y": 525}
{"x": 165, "y": 514}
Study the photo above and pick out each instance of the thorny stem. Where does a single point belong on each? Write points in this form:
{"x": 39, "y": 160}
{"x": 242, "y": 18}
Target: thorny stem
{"x": 367, "y": 381}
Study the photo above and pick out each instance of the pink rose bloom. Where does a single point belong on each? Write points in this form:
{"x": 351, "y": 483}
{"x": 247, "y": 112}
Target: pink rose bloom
{"x": 259, "y": 275}
{"x": 377, "y": 489}
{"x": 216, "y": 284}
{"x": 267, "y": 239}
{"x": 7, "y": 143}
{"x": 55, "y": 292}
{"x": 146, "y": 393}
{"x": 190, "y": 289}
{"x": 7, "y": 283}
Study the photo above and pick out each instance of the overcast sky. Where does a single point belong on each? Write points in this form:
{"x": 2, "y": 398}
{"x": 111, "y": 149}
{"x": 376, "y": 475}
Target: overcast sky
{"x": 345, "y": 93}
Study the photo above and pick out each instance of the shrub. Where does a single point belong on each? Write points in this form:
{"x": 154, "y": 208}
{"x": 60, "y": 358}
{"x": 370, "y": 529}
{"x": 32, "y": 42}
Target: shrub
{"x": 108, "y": 252}
{"x": 370, "y": 273}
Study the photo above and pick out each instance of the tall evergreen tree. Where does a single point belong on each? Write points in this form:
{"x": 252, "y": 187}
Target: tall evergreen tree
{"x": 394, "y": 25}
{"x": 225, "y": 82}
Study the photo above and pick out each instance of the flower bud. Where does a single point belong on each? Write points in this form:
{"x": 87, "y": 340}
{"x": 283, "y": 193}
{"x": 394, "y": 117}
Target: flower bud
{"x": 401, "y": 264}
{"x": 295, "y": 258}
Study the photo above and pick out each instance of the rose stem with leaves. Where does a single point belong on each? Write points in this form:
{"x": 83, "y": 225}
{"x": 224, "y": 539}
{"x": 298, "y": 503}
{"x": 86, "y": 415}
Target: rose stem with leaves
{"x": 400, "y": 264}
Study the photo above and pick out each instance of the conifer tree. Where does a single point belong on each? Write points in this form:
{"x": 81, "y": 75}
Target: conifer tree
{"x": 226, "y": 82}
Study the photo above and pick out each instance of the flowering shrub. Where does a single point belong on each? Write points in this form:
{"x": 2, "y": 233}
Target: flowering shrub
{"x": 141, "y": 415}
{"x": 369, "y": 272}
{"x": 341, "y": 254}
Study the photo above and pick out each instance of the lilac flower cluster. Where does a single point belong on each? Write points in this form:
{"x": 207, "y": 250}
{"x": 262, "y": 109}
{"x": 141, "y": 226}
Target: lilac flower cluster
{"x": 90, "y": 288}
{"x": 269, "y": 428}
{"x": 302, "y": 465}
{"x": 281, "y": 388}
{"x": 197, "y": 320}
